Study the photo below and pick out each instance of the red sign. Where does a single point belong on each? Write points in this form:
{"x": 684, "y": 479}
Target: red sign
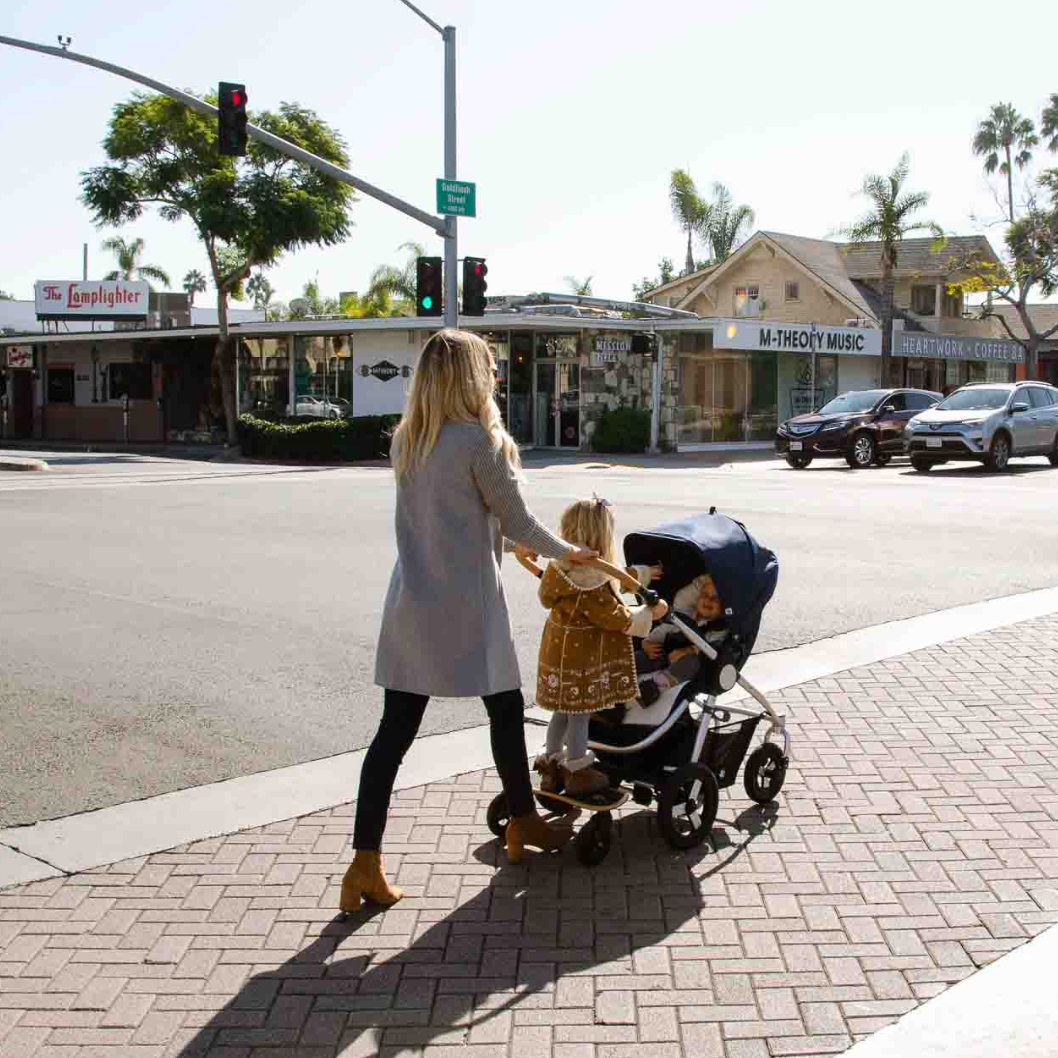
{"x": 91, "y": 300}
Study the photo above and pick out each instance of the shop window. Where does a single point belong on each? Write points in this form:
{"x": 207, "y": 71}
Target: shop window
{"x": 747, "y": 301}
{"x": 793, "y": 291}
{"x": 924, "y": 300}
{"x": 131, "y": 378}
{"x": 60, "y": 385}
{"x": 951, "y": 306}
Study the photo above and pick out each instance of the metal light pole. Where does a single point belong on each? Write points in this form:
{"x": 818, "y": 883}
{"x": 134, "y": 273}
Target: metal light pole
{"x": 448, "y": 34}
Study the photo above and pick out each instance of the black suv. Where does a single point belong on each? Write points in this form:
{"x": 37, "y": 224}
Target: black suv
{"x": 862, "y": 426}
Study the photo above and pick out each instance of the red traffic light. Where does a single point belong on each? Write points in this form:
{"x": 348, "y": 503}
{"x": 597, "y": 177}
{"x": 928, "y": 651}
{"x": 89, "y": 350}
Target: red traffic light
{"x": 236, "y": 99}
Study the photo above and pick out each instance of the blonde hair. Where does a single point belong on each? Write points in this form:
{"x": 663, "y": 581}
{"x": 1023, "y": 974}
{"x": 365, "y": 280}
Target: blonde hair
{"x": 453, "y": 382}
{"x": 590, "y": 524}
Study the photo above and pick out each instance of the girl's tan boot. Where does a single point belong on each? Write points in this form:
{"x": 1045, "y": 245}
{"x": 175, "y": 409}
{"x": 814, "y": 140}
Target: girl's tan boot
{"x": 534, "y": 831}
{"x": 365, "y": 877}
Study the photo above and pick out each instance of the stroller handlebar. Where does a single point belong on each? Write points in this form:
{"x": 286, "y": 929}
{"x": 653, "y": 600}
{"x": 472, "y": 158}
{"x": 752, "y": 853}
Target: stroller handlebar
{"x": 627, "y": 582}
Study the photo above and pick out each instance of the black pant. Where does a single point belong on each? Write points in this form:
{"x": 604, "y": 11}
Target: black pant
{"x": 402, "y": 714}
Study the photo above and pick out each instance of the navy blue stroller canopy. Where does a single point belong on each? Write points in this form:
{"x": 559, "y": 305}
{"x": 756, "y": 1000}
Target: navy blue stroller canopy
{"x": 745, "y": 573}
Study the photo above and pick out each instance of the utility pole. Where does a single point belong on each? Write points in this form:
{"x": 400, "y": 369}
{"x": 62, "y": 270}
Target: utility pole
{"x": 448, "y": 34}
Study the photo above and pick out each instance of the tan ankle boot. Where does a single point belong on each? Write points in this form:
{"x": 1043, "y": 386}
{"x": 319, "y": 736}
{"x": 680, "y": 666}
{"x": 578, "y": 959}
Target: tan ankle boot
{"x": 366, "y": 877}
{"x": 584, "y": 781}
{"x": 533, "y": 830}
{"x": 550, "y": 774}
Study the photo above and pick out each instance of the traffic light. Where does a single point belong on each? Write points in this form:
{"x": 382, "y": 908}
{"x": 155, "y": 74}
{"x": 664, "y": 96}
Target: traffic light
{"x": 474, "y": 286}
{"x": 231, "y": 121}
{"x": 428, "y": 286}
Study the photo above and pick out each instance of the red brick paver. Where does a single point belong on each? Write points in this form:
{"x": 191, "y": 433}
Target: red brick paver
{"x": 916, "y": 839}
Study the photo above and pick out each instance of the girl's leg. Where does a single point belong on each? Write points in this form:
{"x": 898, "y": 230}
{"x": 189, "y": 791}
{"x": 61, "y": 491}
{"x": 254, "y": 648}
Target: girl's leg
{"x": 556, "y": 735}
{"x": 581, "y": 778}
{"x": 402, "y": 714}
{"x": 507, "y": 730}
{"x": 577, "y": 737}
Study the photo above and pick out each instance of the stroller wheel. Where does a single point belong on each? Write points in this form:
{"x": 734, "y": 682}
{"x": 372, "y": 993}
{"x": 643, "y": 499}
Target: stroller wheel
{"x": 594, "y": 840}
{"x": 687, "y": 806}
{"x": 765, "y": 773}
{"x": 499, "y": 815}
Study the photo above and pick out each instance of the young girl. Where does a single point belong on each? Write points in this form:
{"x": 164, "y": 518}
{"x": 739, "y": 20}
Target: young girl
{"x": 586, "y": 657}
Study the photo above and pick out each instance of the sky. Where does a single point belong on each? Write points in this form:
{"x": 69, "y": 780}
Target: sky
{"x": 572, "y": 115}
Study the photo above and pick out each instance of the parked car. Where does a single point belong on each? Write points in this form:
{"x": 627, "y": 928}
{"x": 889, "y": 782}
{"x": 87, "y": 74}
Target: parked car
{"x": 321, "y": 408}
{"x": 345, "y": 409}
{"x": 862, "y": 427}
{"x": 988, "y": 422}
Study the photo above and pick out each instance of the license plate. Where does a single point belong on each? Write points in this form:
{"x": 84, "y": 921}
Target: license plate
{"x": 934, "y": 442}
{"x": 796, "y": 446}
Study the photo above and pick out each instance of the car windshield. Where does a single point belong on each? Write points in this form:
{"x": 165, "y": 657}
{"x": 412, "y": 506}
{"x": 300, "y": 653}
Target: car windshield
{"x": 862, "y": 400}
{"x": 974, "y": 400}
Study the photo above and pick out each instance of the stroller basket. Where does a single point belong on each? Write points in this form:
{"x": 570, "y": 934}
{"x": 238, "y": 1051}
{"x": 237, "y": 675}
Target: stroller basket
{"x": 725, "y": 748}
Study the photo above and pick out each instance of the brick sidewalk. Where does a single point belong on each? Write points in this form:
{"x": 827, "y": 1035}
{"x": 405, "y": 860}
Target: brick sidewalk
{"x": 916, "y": 839}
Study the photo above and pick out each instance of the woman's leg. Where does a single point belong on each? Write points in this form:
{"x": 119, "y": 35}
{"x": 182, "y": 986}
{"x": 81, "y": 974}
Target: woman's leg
{"x": 507, "y": 727}
{"x": 402, "y": 714}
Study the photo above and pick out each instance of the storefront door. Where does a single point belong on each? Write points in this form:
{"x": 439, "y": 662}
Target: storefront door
{"x": 20, "y": 411}
{"x": 557, "y": 404}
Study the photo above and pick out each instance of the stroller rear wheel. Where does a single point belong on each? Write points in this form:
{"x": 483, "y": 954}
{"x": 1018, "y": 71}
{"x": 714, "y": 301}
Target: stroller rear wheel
{"x": 594, "y": 840}
{"x": 686, "y": 814}
{"x": 499, "y": 815}
{"x": 765, "y": 773}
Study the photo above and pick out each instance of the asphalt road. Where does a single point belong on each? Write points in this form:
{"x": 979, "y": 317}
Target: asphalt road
{"x": 165, "y": 624}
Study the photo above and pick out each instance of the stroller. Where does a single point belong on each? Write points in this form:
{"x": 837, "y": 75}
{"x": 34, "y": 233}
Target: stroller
{"x": 698, "y": 749}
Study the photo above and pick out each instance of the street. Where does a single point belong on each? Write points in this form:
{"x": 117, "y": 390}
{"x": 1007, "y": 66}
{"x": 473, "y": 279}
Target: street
{"x": 169, "y": 624}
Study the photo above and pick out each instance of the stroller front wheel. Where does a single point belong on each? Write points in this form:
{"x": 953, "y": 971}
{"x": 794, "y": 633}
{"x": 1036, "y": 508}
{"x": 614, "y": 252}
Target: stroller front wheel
{"x": 764, "y": 773}
{"x": 594, "y": 840}
{"x": 687, "y": 806}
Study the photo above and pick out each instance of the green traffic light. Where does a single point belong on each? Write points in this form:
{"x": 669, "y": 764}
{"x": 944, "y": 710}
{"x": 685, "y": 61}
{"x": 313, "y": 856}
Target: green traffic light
{"x": 427, "y": 302}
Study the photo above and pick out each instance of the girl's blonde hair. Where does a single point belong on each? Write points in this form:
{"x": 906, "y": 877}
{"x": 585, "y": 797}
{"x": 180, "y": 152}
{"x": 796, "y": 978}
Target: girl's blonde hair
{"x": 453, "y": 382}
{"x": 590, "y": 524}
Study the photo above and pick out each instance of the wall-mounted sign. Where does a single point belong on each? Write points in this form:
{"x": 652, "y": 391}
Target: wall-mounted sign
{"x": 952, "y": 347}
{"x": 383, "y": 371}
{"x": 609, "y": 350}
{"x": 797, "y": 338}
{"x": 20, "y": 356}
{"x": 92, "y": 300}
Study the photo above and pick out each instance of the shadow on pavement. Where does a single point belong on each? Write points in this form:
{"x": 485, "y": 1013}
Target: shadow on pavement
{"x": 451, "y": 976}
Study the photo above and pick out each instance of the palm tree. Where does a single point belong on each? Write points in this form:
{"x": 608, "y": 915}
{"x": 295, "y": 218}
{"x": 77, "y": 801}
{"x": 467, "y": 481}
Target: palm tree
{"x": 690, "y": 211}
{"x": 888, "y": 222}
{"x": 128, "y": 255}
{"x": 1005, "y": 132}
{"x": 729, "y": 223}
{"x": 1049, "y": 123}
{"x": 580, "y": 287}
{"x": 260, "y": 290}
{"x": 194, "y": 283}
{"x": 395, "y": 282}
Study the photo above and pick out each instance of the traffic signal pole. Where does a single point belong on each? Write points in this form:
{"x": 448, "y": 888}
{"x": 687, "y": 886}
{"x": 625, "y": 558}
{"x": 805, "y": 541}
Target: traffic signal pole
{"x": 437, "y": 224}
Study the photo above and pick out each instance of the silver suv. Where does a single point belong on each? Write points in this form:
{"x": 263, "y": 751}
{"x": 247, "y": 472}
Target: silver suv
{"x": 989, "y": 422}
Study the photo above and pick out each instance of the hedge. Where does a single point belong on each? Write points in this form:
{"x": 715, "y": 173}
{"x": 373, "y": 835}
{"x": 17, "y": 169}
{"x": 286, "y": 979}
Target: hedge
{"x": 318, "y": 440}
{"x": 622, "y": 430}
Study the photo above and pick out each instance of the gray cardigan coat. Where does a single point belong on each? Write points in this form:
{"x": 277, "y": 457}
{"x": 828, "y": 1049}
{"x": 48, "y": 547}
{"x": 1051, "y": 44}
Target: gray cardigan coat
{"x": 445, "y": 627}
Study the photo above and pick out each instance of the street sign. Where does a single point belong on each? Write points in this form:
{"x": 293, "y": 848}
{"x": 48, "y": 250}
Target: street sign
{"x": 456, "y": 198}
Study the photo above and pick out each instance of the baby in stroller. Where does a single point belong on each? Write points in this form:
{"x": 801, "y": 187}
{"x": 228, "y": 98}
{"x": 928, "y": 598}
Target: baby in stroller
{"x": 666, "y": 656}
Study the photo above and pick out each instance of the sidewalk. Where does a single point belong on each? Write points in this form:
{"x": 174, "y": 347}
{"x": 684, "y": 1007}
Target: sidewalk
{"x": 916, "y": 839}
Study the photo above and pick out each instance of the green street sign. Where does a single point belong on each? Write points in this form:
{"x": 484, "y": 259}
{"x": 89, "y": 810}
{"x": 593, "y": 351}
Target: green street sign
{"x": 456, "y": 198}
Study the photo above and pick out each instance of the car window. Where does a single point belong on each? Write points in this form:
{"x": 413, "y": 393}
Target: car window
{"x": 897, "y": 400}
{"x": 1021, "y": 396}
{"x": 919, "y": 401}
{"x": 1040, "y": 397}
{"x": 852, "y": 402}
{"x": 975, "y": 398}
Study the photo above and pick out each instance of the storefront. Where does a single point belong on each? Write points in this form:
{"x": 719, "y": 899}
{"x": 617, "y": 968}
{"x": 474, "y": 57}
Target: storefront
{"x": 943, "y": 362}
{"x": 738, "y": 379}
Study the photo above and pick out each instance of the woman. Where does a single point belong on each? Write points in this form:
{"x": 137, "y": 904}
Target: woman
{"x": 445, "y": 627}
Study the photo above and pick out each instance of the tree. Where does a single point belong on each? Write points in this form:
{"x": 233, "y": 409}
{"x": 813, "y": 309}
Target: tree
{"x": 1049, "y": 123}
{"x": 317, "y": 305}
{"x": 888, "y": 222}
{"x": 194, "y": 283}
{"x": 690, "y": 211}
{"x": 247, "y": 211}
{"x": 5, "y": 296}
{"x": 1030, "y": 262}
{"x": 728, "y": 224}
{"x": 667, "y": 272}
{"x": 129, "y": 267}
{"x": 260, "y": 290}
{"x": 390, "y": 283}
{"x": 1005, "y": 133}
{"x": 579, "y": 287}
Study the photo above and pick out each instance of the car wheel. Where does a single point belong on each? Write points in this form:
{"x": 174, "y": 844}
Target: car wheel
{"x": 882, "y": 458}
{"x": 923, "y": 466}
{"x": 861, "y": 452}
{"x": 998, "y": 458}
{"x": 798, "y": 462}
{"x": 1053, "y": 454}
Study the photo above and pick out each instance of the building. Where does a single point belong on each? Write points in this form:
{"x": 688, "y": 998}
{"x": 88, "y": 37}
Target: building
{"x": 1044, "y": 317}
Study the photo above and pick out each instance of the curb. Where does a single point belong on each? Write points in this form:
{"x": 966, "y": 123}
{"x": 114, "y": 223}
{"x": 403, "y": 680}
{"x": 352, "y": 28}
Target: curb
{"x": 23, "y": 464}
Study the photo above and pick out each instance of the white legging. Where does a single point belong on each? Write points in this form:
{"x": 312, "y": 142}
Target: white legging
{"x": 568, "y": 731}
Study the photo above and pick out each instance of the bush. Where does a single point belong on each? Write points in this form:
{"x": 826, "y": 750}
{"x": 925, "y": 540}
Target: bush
{"x": 622, "y": 430}
{"x": 317, "y": 440}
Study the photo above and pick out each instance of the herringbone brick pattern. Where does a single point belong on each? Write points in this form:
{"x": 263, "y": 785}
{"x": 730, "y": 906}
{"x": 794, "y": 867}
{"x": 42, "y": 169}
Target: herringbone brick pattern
{"x": 916, "y": 839}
